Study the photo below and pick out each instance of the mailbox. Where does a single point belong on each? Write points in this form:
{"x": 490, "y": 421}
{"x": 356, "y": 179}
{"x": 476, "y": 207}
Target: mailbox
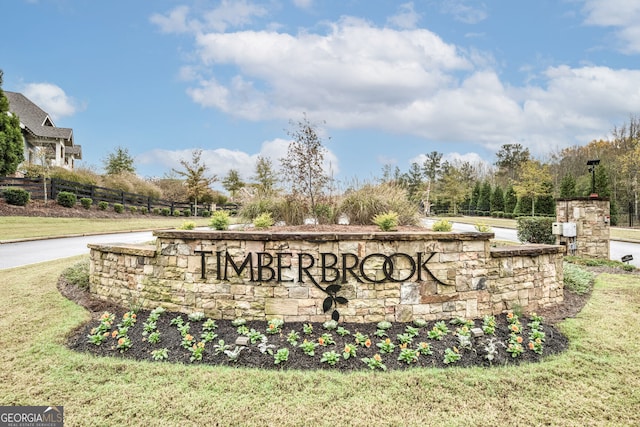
{"x": 556, "y": 228}
{"x": 569, "y": 229}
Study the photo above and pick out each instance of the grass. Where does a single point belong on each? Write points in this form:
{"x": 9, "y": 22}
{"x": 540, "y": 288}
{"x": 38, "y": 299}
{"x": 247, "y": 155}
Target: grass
{"x": 596, "y": 382}
{"x": 616, "y": 233}
{"x": 19, "y": 227}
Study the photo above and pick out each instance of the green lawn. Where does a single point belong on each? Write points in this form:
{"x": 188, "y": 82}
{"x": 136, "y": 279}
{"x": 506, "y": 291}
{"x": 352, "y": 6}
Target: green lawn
{"x": 596, "y": 382}
{"x": 19, "y": 227}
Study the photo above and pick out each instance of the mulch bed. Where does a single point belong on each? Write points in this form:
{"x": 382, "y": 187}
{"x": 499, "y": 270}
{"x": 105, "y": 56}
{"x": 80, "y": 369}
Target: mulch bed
{"x": 251, "y": 357}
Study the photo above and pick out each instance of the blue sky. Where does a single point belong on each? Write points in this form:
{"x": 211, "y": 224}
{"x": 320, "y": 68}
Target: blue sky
{"x": 385, "y": 81}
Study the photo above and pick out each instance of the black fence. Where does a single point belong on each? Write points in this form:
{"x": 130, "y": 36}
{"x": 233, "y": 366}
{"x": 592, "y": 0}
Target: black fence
{"x": 36, "y": 186}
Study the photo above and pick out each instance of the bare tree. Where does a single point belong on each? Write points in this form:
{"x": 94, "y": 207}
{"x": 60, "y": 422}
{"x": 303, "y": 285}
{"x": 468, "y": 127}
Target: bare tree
{"x": 302, "y": 168}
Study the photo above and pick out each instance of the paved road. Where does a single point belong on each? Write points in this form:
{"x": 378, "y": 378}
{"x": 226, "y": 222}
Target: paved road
{"x": 26, "y": 253}
{"x": 32, "y": 252}
{"x": 617, "y": 249}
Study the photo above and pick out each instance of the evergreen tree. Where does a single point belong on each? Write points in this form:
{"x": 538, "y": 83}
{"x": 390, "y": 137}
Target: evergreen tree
{"x": 484, "y": 201}
{"x": 475, "y": 196}
{"x": 232, "y": 183}
{"x": 603, "y": 189}
{"x": 510, "y": 200}
{"x": 120, "y": 161}
{"x": 568, "y": 186}
{"x": 497, "y": 200}
{"x": 11, "y": 142}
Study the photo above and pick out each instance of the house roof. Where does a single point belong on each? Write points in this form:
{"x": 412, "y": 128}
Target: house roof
{"x": 36, "y": 120}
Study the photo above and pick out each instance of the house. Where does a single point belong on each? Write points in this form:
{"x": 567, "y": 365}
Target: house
{"x": 41, "y": 135}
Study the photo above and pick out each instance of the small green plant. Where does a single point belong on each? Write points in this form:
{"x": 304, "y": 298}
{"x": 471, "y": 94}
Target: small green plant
{"x": 208, "y": 336}
{"x": 330, "y": 325}
{"x": 103, "y": 206}
{"x": 255, "y": 336}
{"x": 386, "y": 346}
{"x": 144, "y": 210}
{"x": 197, "y": 351}
{"x": 489, "y": 324}
{"x": 187, "y": 225}
{"x": 349, "y": 351}
{"x": 221, "y": 347}
{"x": 439, "y": 331}
{"x": 274, "y": 326}
{"x": 577, "y": 279}
{"x": 330, "y": 357}
{"x": 238, "y": 322}
{"x": 263, "y": 220}
{"x": 118, "y": 207}
{"x": 408, "y": 355}
{"x": 374, "y": 362}
{"x": 196, "y": 316}
{"x": 307, "y": 328}
{"x": 220, "y": 220}
{"x": 165, "y": 211}
{"x": 362, "y": 339}
{"x": 209, "y": 325}
{"x": 326, "y": 339}
{"x": 482, "y": 227}
{"x": 342, "y": 331}
{"x": 66, "y": 199}
{"x": 205, "y": 214}
{"x": 16, "y": 196}
{"x": 133, "y": 209}
{"x": 128, "y": 319}
{"x": 86, "y": 202}
{"x": 154, "y": 337}
{"x": 187, "y": 341}
{"x": 404, "y": 338}
{"x": 186, "y": 212}
{"x": 155, "y": 211}
{"x": 308, "y": 347}
{"x": 420, "y": 323}
{"x": 515, "y": 349}
{"x": 293, "y": 337}
{"x": 281, "y": 356}
{"x": 459, "y": 321}
{"x": 424, "y": 348}
{"x": 387, "y": 221}
{"x": 451, "y": 355}
{"x": 243, "y": 330}
{"x": 177, "y": 212}
{"x": 411, "y": 331}
{"x": 160, "y": 354}
{"x": 384, "y": 325}
{"x": 442, "y": 225}
{"x": 184, "y": 328}
{"x": 124, "y": 344}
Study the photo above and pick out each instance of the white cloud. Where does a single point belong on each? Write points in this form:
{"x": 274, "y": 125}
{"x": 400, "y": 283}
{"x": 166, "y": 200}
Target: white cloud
{"x": 229, "y": 14}
{"x": 623, "y": 15}
{"x": 406, "y": 18}
{"x": 462, "y": 11}
{"x": 52, "y": 99}
{"x": 353, "y": 74}
{"x": 220, "y": 160}
{"x": 303, "y": 4}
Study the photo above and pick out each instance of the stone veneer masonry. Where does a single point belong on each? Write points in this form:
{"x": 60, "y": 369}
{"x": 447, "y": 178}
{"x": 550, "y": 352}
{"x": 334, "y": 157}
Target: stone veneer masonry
{"x": 591, "y": 216}
{"x": 463, "y": 277}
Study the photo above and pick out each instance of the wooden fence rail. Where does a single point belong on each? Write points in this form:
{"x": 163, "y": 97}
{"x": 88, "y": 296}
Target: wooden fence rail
{"x": 36, "y": 186}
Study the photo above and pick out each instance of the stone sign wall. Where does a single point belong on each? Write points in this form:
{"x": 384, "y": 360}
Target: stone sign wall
{"x": 357, "y": 277}
{"x": 592, "y": 219}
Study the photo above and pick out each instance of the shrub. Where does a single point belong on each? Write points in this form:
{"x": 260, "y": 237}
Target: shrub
{"x": 66, "y": 199}
{"x": 78, "y": 274}
{"x": 186, "y": 212}
{"x": 324, "y": 213}
{"x": 387, "y": 221}
{"x": 133, "y": 209}
{"x": 220, "y": 220}
{"x": 533, "y": 229}
{"x": 576, "y": 279}
{"x": 205, "y": 214}
{"x": 16, "y": 196}
{"x": 155, "y": 211}
{"x": 177, "y": 212}
{"x": 165, "y": 211}
{"x": 103, "y": 206}
{"x": 187, "y": 225}
{"x": 144, "y": 210}
{"x": 86, "y": 202}
{"x": 263, "y": 221}
{"x": 118, "y": 207}
{"x": 482, "y": 228}
{"x": 442, "y": 225}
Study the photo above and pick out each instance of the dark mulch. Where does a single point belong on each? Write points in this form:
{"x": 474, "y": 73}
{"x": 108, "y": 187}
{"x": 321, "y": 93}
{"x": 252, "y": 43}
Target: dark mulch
{"x": 252, "y": 357}
{"x": 51, "y": 209}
